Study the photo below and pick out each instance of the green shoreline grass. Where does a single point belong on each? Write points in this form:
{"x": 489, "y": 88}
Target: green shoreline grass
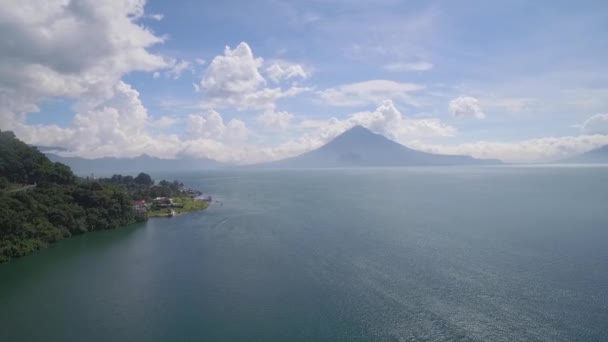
{"x": 189, "y": 205}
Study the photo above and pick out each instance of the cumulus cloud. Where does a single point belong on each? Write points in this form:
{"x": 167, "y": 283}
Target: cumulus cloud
{"x": 114, "y": 127}
{"x": 413, "y": 66}
{"x": 466, "y": 106}
{"x": 596, "y": 124}
{"x": 163, "y": 122}
{"x": 235, "y": 72}
{"x": 43, "y": 52}
{"x": 282, "y": 70}
{"x": 210, "y": 125}
{"x": 47, "y": 52}
{"x": 369, "y": 92}
{"x": 527, "y": 151}
{"x": 43, "y": 57}
{"x": 263, "y": 99}
{"x": 76, "y": 50}
{"x": 234, "y": 80}
{"x": 276, "y": 120}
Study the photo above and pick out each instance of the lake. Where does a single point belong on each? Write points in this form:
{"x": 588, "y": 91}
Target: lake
{"x": 404, "y": 254}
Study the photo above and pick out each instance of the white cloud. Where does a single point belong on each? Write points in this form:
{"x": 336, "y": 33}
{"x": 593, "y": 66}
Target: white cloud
{"x": 413, "y": 66}
{"x": 174, "y": 69}
{"x": 80, "y": 50}
{"x": 370, "y": 92}
{"x": 236, "y": 130}
{"x": 115, "y": 126}
{"x": 110, "y": 119}
{"x": 263, "y": 99}
{"x": 234, "y": 80}
{"x": 210, "y": 125}
{"x": 466, "y": 106}
{"x": 163, "y": 122}
{"x": 275, "y": 120}
{"x": 510, "y": 104}
{"x": 282, "y": 70}
{"x": 177, "y": 68}
{"x": 157, "y": 17}
{"x": 596, "y": 124}
{"x": 236, "y": 72}
{"x": 528, "y": 151}
{"x": 43, "y": 46}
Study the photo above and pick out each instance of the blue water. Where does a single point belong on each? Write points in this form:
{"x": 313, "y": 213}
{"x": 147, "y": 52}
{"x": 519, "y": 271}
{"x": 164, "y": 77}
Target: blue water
{"x": 420, "y": 254}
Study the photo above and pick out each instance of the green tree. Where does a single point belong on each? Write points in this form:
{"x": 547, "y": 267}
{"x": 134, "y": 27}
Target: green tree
{"x": 144, "y": 179}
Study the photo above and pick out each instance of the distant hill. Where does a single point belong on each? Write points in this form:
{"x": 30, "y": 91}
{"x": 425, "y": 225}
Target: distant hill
{"x": 598, "y": 155}
{"x": 49, "y": 149}
{"x": 111, "y": 165}
{"x": 360, "y": 147}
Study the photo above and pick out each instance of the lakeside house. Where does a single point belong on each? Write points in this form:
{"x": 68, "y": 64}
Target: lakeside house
{"x": 140, "y": 206}
{"x": 162, "y": 202}
{"x": 165, "y": 202}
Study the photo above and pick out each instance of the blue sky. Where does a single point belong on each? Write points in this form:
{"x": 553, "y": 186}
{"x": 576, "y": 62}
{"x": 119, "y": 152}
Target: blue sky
{"x": 244, "y": 82}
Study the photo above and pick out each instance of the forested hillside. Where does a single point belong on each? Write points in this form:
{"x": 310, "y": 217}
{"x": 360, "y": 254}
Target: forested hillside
{"x": 42, "y": 202}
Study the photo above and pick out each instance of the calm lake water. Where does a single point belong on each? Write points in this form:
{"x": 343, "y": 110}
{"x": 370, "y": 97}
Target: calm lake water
{"x": 429, "y": 254}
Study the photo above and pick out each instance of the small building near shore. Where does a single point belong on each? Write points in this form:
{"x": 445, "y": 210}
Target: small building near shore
{"x": 162, "y": 202}
{"x": 140, "y": 206}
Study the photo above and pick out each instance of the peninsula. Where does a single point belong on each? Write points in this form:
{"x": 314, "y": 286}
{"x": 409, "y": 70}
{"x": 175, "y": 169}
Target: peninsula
{"x": 162, "y": 199}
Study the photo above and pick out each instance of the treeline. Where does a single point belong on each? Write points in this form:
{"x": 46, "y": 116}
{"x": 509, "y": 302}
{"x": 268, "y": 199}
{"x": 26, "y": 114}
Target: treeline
{"x": 42, "y": 202}
{"x": 143, "y": 187}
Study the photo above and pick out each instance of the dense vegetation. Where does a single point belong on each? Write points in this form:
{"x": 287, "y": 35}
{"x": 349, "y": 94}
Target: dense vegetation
{"x": 42, "y": 202}
{"x": 143, "y": 187}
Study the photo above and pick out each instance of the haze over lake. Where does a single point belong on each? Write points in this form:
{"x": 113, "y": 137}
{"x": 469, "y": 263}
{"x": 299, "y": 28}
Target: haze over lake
{"x": 435, "y": 254}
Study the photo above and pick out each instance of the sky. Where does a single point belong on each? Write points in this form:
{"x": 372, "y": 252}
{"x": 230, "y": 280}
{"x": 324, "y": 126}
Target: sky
{"x": 251, "y": 81}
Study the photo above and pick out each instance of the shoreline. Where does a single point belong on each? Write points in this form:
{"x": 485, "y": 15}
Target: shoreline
{"x": 204, "y": 206}
{"x": 184, "y": 205}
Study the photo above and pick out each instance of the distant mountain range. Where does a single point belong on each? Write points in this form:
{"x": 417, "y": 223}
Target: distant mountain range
{"x": 357, "y": 147}
{"x": 143, "y": 163}
{"x": 596, "y": 156}
{"x": 360, "y": 147}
